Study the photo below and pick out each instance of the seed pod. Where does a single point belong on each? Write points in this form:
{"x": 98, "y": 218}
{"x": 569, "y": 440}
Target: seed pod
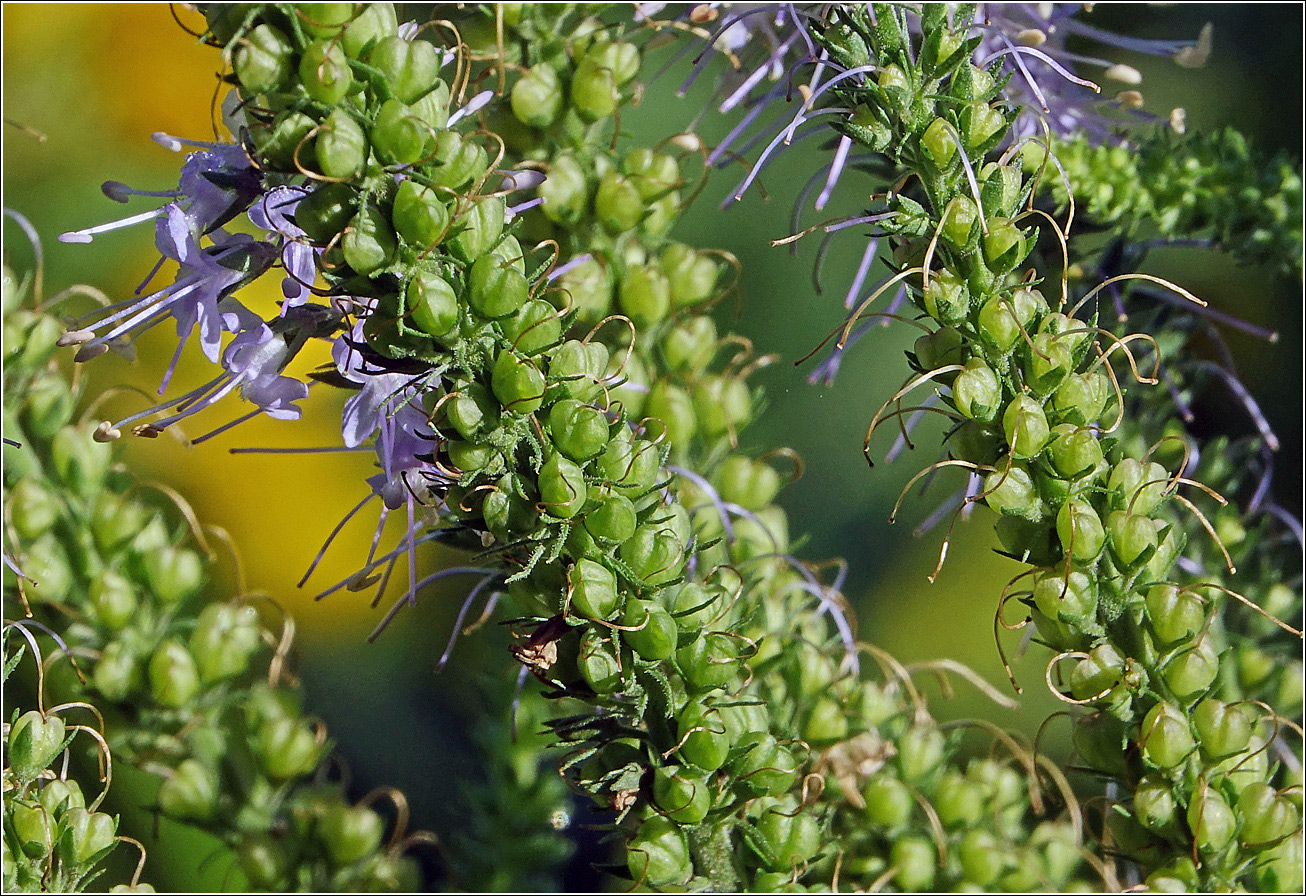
{"x": 455, "y": 162}
{"x": 534, "y": 328}
{"x": 350, "y": 833}
{"x": 671, "y": 405}
{"x": 1080, "y": 530}
{"x": 617, "y": 203}
{"x": 1137, "y": 488}
{"x": 399, "y": 137}
{"x": 644, "y": 295}
{"x": 369, "y": 25}
{"x": 889, "y": 803}
{"x": 1210, "y": 819}
{"x": 1074, "y": 452}
{"x": 59, "y": 795}
{"x": 1133, "y": 537}
{"x": 1223, "y": 729}
{"x": 1266, "y": 816}
{"x": 190, "y": 793}
{"x": 174, "y": 679}
{"x": 410, "y": 67}
{"x": 788, "y": 837}
{"x": 691, "y": 274}
{"x": 976, "y": 392}
{"x": 1165, "y": 737}
{"x": 1071, "y": 599}
{"x": 285, "y": 748}
{"x": 263, "y": 861}
{"x": 86, "y": 837}
{"x": 654, "y": 554}
{"x": 1026, "y": 427}
{"x": 1012, "y": 492}
{"x": 709, "y": 661}
{"x": 1191, "y": 674}
{"x": 593, "y": 91}
{"x": 34, "y": 741}
{"x": 920, "y": 752}
{"x": 327, "y": 211}
{"x": 33, "y": 509}
{"x": 766, "y": 768}
{"x": 432, "y": 304}
{"x": 914, "y": 861}
{"x": 1174, "y": 615}
{"x": 593, "y": 590}
{"x": 263, "y": 59}
{"x": 599, "y": 661}
{"x": 630, "y": 464}
{"x": 116, "y": 674}
{"x": 653, "y": 173}
{"x": 657, "y": 855}
{"x": 960, "y": 224}
{"x": 653, "y": 633}
{"x": 576, "y": 369}
{"x": 324, "y": 72}
{"x": 1155, "y": 806}
{"x": 340, "y": 147}
{"x": 683, "y": 797}
{"x": 518, "y": 384}
{"x": 537, "y": 96}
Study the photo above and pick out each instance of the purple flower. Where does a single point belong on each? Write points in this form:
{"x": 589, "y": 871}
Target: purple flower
{"x": 273, "y": 212}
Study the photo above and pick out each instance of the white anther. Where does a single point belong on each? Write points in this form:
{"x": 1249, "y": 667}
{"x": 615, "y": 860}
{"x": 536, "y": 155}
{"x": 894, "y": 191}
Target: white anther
{"x": 1178, "y": 120}
{"x": 1130, "y": 99}
{"x": 1031, "y": 37}
{"x": 74, "y": 337}
{"x": 105, "y": 432}
{"x": 1125, "y": 74}
{"x": 1196, "y": 55}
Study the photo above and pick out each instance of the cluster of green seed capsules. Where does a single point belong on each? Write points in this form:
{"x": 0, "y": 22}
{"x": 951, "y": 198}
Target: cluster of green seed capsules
{"x": 534, "y": 445}
{"x": 179, "y": 681}
{"x": 1036, "y": 400}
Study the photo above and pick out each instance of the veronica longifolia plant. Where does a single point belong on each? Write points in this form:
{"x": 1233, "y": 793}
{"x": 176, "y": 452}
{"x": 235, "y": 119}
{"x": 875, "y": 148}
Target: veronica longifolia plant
{"x": 455, "y": 208}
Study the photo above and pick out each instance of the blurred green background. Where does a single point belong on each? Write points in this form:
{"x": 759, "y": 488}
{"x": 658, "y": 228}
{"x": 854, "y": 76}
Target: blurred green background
{"x": 85, "y": 85}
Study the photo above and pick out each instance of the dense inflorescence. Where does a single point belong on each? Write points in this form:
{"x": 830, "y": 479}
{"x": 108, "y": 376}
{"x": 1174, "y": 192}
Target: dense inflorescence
{"x": 1038, "y": 406}
{"x": 193, "y": 690}
{"x": 456, "y": 208}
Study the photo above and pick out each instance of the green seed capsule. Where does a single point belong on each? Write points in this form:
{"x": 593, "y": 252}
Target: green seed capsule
{"x": 976, "y": 392}
{"x": 691, "y": 274}
{"x": 980, "y": 125}
{"x": 709, "y": 661}
{"x": 593, "y": 91}
{"x": 286, "y": 748}
{"x": 749, "y": 483}
{"x": 1155, "y": 806}
{"x": 398, "y": 136}
{"x": 116, "y": 674}
{"x": 432, "y": 305}
{"x": 324, "y": 72}
{"x": 371, "y": 24}
{"x": 631, "y": 465}
{"x": 1223, "y": 729}
{"x": 613, "y": 520}
{"x": 60, "y": 795}
{"x": 1175, "y": 615}
{"x": 690, "y": 344}
{"x": 1074, "y": 452}
{"x": 1191, "y": 674}
{"x": 644, "y": 295}
{"x": 594, "y": 592}
{"x": 562, "y": 487}
{"x": 1266, "y": 816}
{"x": 577, "y": 369}
{"x": 1082, "y": 398}
{"x": 1137, "y": 488}
{"x": 369, "y": 244}
{"x": 658, "y": 855}
{"x": 86, "y": 836}
{"x": 1211, "y": 820}
{"x": 327, "y": 211}
{"x": 340, "y": 146}
{"x": 350, "y": 833}
{"x": 324, "y": 19}
{"x": 534, "y": 328}
{"x": 33, "y": 828}
{"x": 410, "y": 67}
{"x": 1080, "y": 530}
{"x": 1165, "y": 737}
{"x": 766, "y": 768}
{"x": 495, "y": 290}
{"x": 683, "y": 797}
{"x": 652, "y": 631}
{"x": 34, "y": 741}
{"x": 174, "y": 678}
{"x": 578, "y": 430}
{"x": 653, "y": 173}
{"x": 914, "y": 861}
{"x": 722, "y": 405}
{"x": 961, "y": 221}
{"x": 262, "y": 861}
{"x": 938, "y": 144}
{"x": 1012, "y": 492}
{"x": 920, "y": 751}
{"x": 456, "y": 162}
{"x": 889, "y": 803}
{"x": 1048, "y": 361}
{"x": 468, "y": 456}
{"x": 671, "y": 406}
{"x": 1026, "y": 427}
{"x": 565, "y": 193}
{"x": 1004, "y": 246}
{"x": 263, "y": 59}
{"x": 599, "y": 662}
{"x": 654, "y": 554}
{"x": 481, "y": 228}
{"x": 191, "y": 793}
{"x": 1133, "y": 536}
{"x": 705, "y": 739}
{"x": 537, "y": 97}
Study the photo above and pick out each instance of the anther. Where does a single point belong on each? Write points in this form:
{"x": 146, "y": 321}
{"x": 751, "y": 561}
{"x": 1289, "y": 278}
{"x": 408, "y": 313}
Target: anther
{"x": 1196, "y": 55}
{"x": 106, "y": 432}
{"x": 1130, "y": 99}
{"x": 1031, "y": 37}
{"x": 1125, "y": 74}
{"x": 74, "y": 337}
{"x": 1178, "y": 120}
{"x": 89, "y": 351}
{"x": 147, "y": 431}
